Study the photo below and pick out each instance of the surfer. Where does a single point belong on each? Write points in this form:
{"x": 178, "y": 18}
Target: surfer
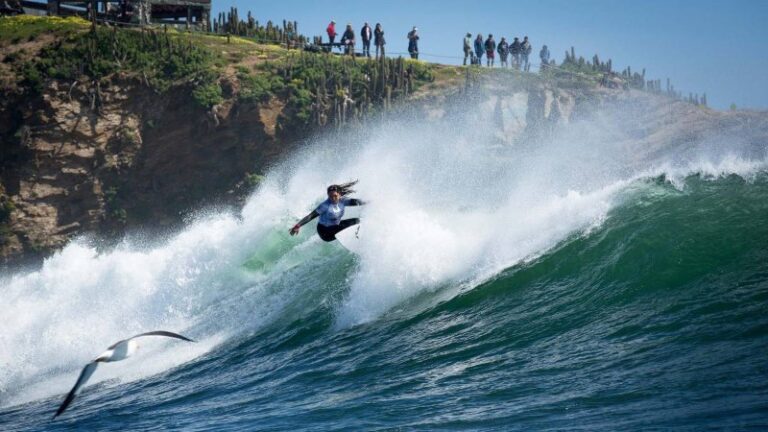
{"x": 331, "y": 211}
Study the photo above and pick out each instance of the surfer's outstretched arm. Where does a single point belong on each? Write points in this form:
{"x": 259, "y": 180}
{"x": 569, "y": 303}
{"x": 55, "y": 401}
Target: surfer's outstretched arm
{"x": 307, "y": 218}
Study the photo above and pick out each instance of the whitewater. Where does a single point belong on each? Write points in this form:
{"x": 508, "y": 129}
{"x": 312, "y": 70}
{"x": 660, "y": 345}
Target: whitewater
{"x": 553, "y": 284}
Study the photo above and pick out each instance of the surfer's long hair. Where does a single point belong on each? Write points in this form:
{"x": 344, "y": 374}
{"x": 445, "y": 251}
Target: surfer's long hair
{"x": 343, "y": 189}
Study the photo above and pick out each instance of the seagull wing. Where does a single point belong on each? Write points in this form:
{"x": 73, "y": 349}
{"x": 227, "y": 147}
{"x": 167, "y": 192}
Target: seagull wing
{"x": 164, "y": 333}
{"x": 88, "y": 370}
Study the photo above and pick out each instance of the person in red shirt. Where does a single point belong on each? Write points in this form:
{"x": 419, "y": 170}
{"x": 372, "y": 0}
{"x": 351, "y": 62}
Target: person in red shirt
{"x": 331, "y": 30}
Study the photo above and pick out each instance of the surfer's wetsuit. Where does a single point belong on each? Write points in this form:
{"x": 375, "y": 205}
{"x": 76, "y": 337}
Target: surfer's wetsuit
{"x": 330, "y": 213}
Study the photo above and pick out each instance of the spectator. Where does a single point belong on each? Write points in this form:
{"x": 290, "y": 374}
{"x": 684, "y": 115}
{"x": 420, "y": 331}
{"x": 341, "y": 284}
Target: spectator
{"x": 479, "y": 48}
{"x": 544, "y": 56}
{"x": 490, "y": 50}
{"x": 378, "y": 40}
{"x": 413, "y": 43}
{"x": 515, "y": 49}
{"x": 503, "y": 52}
{"x": 365, "y": 35}
{"x": 331, "y": 30}
{"x": 525, "y": 51}
{"x": 467, "y": 48}
{"x": 348, "y": 40}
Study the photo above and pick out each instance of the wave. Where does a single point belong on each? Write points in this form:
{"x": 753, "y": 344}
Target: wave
{"x": 446, "y": 215}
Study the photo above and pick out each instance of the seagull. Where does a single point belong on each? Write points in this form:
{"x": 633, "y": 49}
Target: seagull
{"x": 120, "y": 350}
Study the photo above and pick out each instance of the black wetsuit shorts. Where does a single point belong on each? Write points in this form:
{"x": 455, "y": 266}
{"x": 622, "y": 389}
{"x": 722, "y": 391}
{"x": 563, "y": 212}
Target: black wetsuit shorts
{"x": 328, "y": 233}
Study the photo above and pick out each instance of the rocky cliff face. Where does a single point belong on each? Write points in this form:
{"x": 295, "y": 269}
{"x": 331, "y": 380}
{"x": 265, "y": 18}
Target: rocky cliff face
{"x": 76, "y": 162}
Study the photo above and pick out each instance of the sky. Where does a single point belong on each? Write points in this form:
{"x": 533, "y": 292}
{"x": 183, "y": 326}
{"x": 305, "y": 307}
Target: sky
{"x": 715, "y": 47}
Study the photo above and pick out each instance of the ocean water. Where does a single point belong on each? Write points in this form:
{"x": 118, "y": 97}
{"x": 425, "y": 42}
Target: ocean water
{"x": 572, "y": 283}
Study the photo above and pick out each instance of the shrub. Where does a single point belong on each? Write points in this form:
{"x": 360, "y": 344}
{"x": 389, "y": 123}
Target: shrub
{"x": 254, "y": 88}
{"x": 253, "y": 180}
{"x": 6, "y": 208}
{"x": 208, "y": 95}
{"x": 162, "y": 59}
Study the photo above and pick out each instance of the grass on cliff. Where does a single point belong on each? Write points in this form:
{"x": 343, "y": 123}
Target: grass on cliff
{"x": 27, "y": 28}
{"x": 314, "y": 84}
{"x": 166, "y": 58}
{"x": 157, "y": 58}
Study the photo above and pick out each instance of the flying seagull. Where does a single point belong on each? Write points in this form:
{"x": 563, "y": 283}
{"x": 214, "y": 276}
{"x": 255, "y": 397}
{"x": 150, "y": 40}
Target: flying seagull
{"x": 119, "y": 351}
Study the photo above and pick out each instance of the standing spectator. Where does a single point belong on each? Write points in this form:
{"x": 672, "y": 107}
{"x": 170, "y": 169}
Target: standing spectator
{"x": 467, "y": 48}
{"x": 413, "y": 43}
{"x": 479, "y": 48}
{"x": 544, "y": 56}
{"x": 365, "y": 35}
{"x": 490, "y": 50}
{"x": 515, "y": 49}
{"x": 525, "y": 51}
{"x": 503, "y": 51}
{"x": 331, "y": 30}
{"x": 348, "y": 40}
{"x": 378, "y": 40}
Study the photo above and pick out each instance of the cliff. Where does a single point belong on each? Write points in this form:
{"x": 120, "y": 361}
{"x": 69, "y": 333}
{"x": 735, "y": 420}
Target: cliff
{"x": 119, "y": 130}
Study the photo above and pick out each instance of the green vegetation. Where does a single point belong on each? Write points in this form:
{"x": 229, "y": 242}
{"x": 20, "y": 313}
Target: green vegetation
{"x": 256, "y": 88}
{"x": 323, "y": 86}
{"x": 6, "y": 208}
{"x": 316, "y": 87}
{"x": 208, "y": 95}
{"x": 253, "y": 180}
{"x": 160, "y": 59}
{"x": 28, "y": 27}
{"x": 112, "y": 206}
{"x": 230, "y": 23}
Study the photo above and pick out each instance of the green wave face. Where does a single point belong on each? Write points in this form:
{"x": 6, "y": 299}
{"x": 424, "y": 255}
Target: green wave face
{"x": 656, "y": 319}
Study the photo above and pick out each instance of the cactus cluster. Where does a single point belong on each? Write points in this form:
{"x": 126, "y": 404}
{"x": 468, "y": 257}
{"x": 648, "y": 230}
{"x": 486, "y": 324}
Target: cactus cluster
{"x": 324, "y": 88}
{"x": 230, "y": 23}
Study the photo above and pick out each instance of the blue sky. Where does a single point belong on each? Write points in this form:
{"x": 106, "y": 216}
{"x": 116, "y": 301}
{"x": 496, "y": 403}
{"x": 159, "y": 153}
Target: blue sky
{"x": 716, "y": 47}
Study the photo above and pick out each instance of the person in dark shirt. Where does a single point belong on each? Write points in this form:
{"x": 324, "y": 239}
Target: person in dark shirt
{"x": 490, "y": 50}
{"x": 515, "y": 49}
{"x": 366, "y": 34}
{"x": 413, "y": 43}
{"x": 479, "y": 48}
{"x": 544, "y": 56}
{"x": 378, "y": 40}
{"x": 348, "y": 40}
{"x": 503, "y": 50}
